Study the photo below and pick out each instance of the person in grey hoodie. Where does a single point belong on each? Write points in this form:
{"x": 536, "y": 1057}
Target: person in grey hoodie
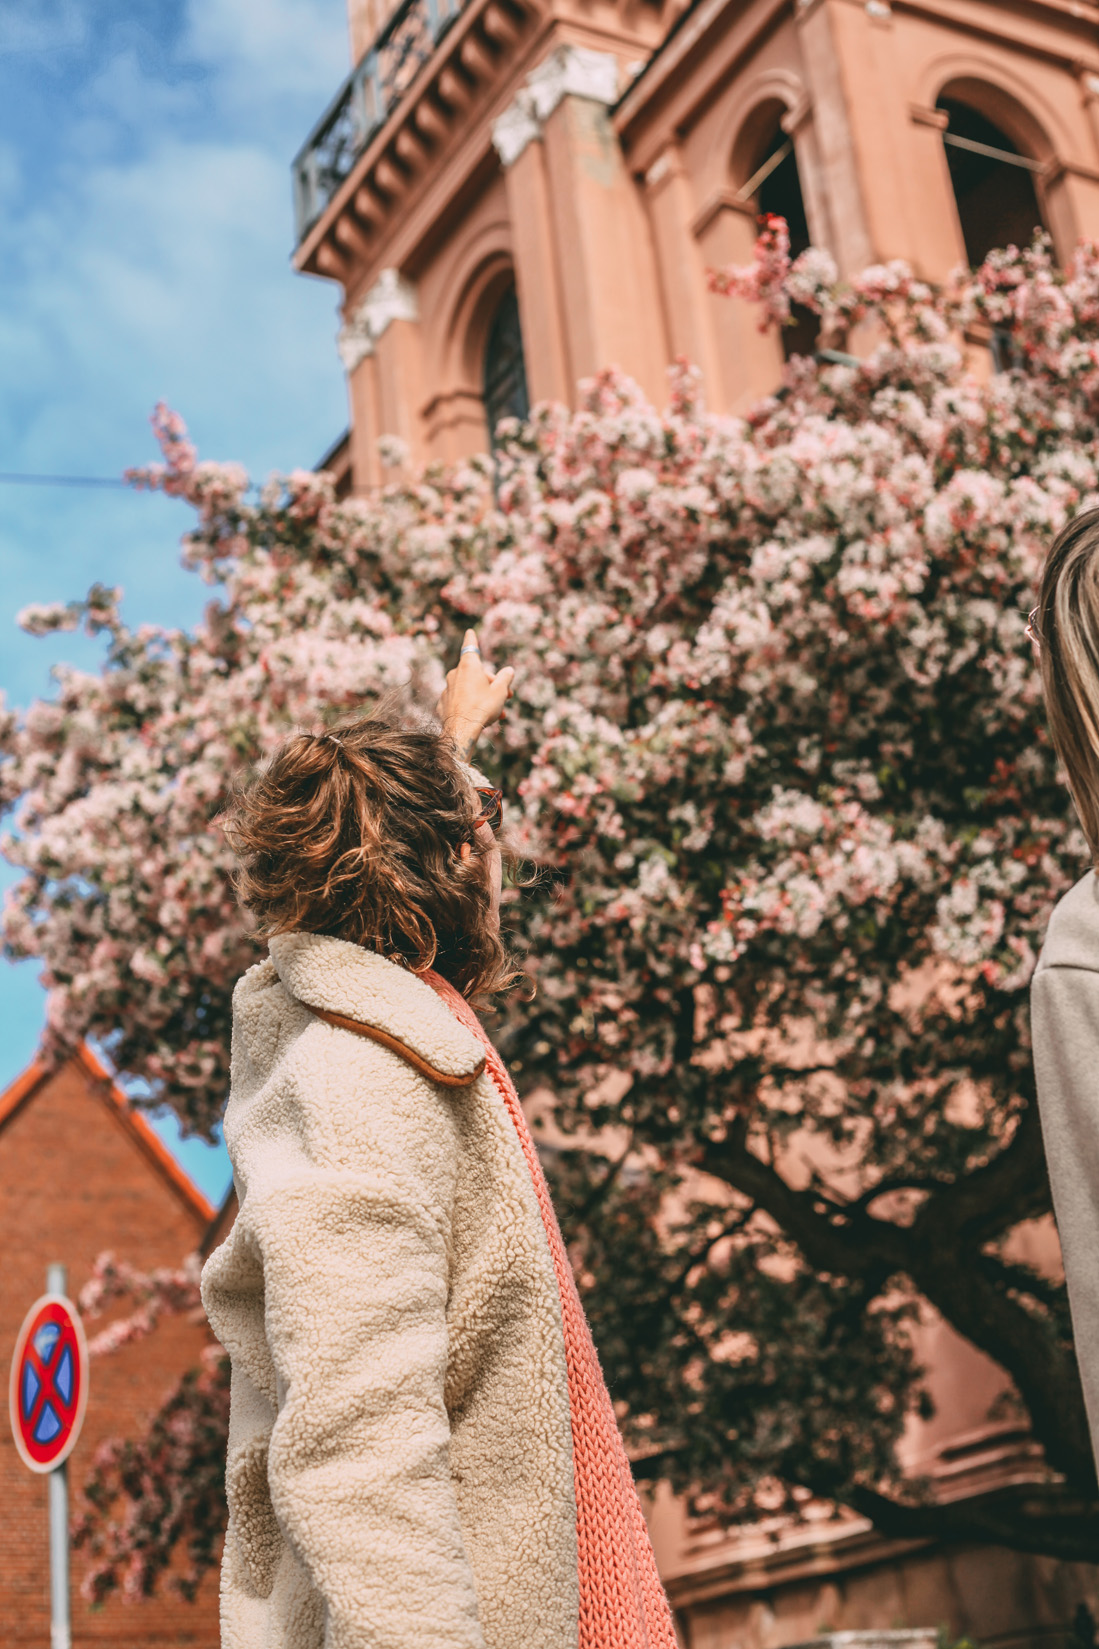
{"x": 1064, "y": 628}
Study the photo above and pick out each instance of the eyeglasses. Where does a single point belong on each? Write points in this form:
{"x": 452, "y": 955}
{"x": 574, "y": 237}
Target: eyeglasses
{"x": 492, "y": 812}
{"x": 1032, "y": 627}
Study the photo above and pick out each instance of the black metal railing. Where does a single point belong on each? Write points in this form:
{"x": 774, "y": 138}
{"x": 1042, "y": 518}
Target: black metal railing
{"x": 364, "y": 101}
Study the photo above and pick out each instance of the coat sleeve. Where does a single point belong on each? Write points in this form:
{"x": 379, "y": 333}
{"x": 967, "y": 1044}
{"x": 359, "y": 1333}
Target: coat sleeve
{"x": 355, "y": 1280}
{"x": 1065, "y": 1027}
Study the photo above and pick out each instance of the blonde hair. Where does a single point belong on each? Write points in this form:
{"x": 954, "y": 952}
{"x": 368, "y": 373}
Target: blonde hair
{"x": 1067, "y": 625}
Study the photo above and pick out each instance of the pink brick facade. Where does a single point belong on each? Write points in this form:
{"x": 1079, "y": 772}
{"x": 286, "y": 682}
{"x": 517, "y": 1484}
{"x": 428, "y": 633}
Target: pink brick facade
{"x": 597, "y": 157}
{"x": 587, "y": 161}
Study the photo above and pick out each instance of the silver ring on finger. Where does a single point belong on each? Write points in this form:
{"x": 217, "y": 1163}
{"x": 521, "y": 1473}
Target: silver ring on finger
{"x": 466, "y": 650}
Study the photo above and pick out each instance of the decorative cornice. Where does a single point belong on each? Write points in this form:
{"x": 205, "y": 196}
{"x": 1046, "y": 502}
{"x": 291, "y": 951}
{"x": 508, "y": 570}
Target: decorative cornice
{"x": 353, "y": 344}
{"x": 513, "y": 130}
{"x": 570, "y": 71}
{"x": 391, "y": 298}
{"x": 373, "y": 182}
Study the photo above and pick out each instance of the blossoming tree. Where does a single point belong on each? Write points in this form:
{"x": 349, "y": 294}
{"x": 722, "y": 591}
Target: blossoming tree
{"x": 777, "y": 739}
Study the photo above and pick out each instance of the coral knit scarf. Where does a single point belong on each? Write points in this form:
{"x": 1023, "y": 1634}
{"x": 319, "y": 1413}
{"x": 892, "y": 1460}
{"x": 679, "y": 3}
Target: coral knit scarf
{"x": 622, "y": 1603}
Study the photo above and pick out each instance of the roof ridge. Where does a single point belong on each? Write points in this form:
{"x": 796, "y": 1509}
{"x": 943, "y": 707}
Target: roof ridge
{"x": 18, "y": 1092}
{"x": 22, "y": 1090}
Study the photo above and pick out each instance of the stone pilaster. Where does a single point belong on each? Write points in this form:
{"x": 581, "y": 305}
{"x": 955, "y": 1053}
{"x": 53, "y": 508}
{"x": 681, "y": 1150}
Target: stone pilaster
{"x": 379, "y": 345}
{"x": 585, "y": 267}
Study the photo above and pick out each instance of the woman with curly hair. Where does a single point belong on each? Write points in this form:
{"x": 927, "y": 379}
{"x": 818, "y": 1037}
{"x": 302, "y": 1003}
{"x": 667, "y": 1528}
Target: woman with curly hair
{"x": 422, "y": 1452}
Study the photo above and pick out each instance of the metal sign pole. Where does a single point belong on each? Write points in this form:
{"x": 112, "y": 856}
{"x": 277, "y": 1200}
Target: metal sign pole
{"x": 58, "y": 1480}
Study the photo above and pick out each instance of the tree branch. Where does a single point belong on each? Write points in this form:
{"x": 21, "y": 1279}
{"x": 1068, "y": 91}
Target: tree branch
{"x": 1011, "y": 1187}
{"x": 950, "y": 1272}
{"x": 851, "y": 1246}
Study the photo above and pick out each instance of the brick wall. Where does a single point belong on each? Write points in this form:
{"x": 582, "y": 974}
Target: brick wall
{"x": 78, "y": 1176}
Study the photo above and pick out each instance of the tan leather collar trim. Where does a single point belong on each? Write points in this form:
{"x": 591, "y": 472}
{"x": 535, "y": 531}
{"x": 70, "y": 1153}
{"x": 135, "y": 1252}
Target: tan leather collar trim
{"x": 443, "y": 1078}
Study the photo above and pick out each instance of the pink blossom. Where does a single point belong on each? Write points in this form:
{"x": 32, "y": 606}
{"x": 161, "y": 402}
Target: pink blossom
{"x": 776, "y": 747}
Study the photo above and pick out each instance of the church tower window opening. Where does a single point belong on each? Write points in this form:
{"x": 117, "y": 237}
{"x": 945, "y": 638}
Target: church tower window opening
{"x": 776, "y": 186}
{"x": 993, "y": 182}
{"x": 505, "y": 372}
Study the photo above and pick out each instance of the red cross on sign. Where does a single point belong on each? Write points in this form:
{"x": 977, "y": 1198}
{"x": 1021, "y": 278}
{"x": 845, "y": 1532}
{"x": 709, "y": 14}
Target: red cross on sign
{"x": 49, "y": 1383}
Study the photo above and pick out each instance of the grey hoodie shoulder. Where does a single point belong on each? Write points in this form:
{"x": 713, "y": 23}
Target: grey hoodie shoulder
{"x": 1064, "y": 1010}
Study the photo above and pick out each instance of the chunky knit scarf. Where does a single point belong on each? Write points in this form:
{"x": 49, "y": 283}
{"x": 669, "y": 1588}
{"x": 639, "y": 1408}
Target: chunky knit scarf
{"x": 622, "y": 1603}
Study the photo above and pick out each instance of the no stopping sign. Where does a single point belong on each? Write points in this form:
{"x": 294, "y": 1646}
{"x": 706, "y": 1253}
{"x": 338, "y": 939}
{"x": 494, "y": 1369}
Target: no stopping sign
{"x": 48, "y": 1391}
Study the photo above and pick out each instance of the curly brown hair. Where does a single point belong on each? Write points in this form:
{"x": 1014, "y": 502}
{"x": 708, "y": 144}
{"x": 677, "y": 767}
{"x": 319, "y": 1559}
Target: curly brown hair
{"x": 357, "y": 833}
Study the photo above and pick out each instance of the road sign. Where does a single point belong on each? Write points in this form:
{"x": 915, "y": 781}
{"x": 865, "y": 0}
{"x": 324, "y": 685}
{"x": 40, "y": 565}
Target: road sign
{"x": 49, "y": 1383}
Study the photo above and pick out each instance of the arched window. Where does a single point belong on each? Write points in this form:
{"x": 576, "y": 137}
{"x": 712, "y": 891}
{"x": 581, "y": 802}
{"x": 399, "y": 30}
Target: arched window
{"x": 505, "y": 373}
{"x": 993, "y": 182}
{"x": 775, "y": 187}
{"x": 780, "y": 190}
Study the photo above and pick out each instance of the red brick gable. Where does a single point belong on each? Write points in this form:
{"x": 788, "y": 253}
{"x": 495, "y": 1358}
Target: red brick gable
{"x": 81, "y": 1172}
{"x": 23, "y": 1089}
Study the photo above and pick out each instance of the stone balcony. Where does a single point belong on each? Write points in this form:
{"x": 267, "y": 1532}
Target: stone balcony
{"x": 360, "y": 108}
{"x": 415, "y": 116}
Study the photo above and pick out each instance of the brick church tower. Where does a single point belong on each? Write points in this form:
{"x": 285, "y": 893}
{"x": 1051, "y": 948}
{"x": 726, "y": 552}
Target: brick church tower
{"x": 514, "y": 193}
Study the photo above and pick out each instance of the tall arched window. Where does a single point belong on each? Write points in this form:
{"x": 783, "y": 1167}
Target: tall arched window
{"x": 505, "y": 373}
{"x": 993, "y": 182}
{"x": 775, "y": 187}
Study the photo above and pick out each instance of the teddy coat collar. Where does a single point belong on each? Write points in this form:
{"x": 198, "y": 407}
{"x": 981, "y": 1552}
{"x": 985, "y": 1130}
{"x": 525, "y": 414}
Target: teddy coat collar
{"x": 359, "y": 990}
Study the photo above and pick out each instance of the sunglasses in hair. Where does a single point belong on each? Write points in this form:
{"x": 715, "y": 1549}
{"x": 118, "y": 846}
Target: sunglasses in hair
{"x": 492, "y": 809}
{"x": 1032, "y": 633}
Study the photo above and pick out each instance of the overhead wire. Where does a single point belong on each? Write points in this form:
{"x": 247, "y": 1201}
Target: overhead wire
{"x": 12, "y": 479}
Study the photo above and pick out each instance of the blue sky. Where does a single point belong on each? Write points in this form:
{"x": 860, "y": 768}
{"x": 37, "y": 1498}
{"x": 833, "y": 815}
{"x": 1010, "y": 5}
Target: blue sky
{"x": 146, "y": 224}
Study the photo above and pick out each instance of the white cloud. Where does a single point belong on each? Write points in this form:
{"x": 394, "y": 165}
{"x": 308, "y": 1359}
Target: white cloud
{"x": 170, "y": 279}
{"x": 162, "y": 269}
{"x": 146, "y": 256}
{"x": 272, "y": 47}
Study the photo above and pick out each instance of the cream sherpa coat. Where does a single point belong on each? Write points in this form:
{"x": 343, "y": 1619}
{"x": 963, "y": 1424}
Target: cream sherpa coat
{"x": 400, "y": 1469}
